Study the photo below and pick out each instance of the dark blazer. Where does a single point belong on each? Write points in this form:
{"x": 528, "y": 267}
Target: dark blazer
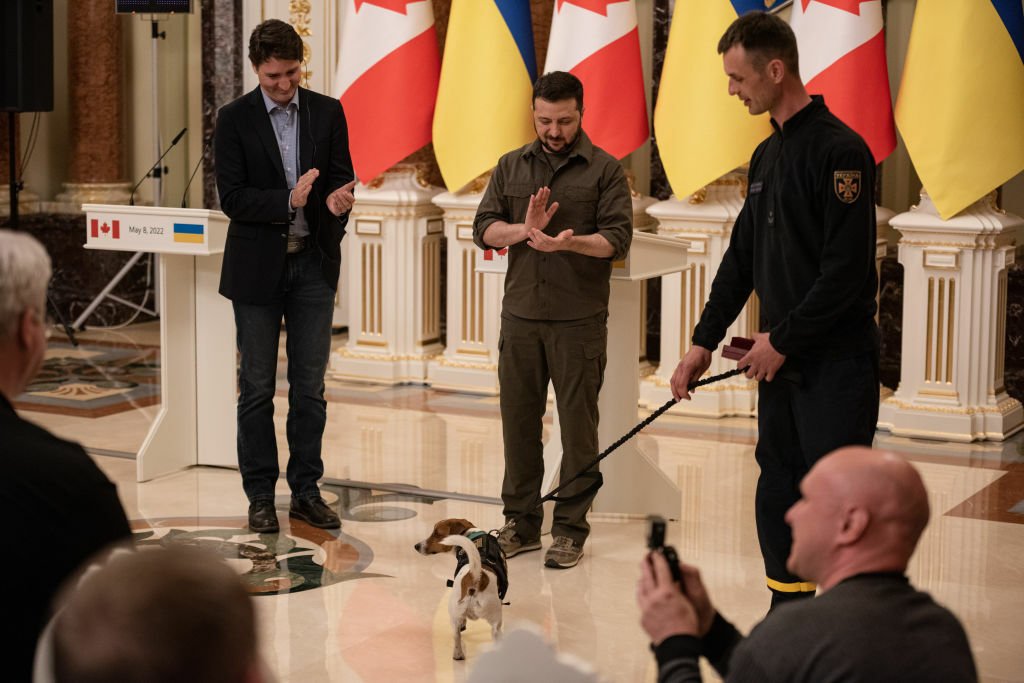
{"x": 61, "y": 501}
{"x": 254, "y": 192}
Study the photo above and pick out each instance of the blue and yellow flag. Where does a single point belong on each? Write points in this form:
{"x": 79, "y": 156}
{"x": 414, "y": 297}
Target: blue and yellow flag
{"x": 483, "y": 99}
{"x": 189, "y": 232}
{"x": 960, "y": 107}
{"x": 702, "y": 131}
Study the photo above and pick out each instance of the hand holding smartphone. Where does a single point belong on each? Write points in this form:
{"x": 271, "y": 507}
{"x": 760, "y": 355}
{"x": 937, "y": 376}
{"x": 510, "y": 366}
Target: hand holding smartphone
{"x": 656, "y": 542}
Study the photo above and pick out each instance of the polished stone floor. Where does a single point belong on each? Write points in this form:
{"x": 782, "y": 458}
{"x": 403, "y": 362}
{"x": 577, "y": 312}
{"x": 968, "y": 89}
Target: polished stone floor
{"x": 361, "y": 605}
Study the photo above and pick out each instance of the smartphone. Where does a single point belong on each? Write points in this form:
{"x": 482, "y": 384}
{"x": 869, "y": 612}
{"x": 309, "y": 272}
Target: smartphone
{"x": 656, "y": 542}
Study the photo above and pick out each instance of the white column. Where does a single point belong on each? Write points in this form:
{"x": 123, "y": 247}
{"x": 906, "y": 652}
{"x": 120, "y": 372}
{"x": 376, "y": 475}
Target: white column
{"x": 473, "y": 306}
{"x": 954, "y": 325}
{"x": 393, "y": 281}
{"x": 705, "y": 220}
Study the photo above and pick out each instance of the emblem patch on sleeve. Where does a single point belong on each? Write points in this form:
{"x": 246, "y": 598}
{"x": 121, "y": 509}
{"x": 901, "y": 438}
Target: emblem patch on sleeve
{"x": 846, "y": 185}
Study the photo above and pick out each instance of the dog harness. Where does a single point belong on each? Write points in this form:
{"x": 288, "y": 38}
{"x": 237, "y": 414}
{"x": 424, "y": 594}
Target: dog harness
{"x": 490, "y": 557}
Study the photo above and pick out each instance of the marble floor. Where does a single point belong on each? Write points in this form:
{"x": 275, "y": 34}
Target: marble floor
{"x": 361, "y": 605}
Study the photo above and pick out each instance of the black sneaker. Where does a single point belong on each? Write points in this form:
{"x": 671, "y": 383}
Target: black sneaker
{"x": 314, "y": 511}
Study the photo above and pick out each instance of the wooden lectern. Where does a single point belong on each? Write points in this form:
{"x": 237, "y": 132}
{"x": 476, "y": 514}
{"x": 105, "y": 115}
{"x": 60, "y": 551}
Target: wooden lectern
{"x": 196, "y": 424}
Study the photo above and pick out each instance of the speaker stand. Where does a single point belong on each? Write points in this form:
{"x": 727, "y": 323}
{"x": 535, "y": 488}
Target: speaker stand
{"x": 12, "y": 165}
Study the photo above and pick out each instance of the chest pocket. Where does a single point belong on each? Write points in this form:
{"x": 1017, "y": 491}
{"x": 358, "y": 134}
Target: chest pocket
{"x": 517, "y": 198}
{"x": 577, "y": 208}
{"x": 518, "y": 190}
{"x": 580, "y": 193}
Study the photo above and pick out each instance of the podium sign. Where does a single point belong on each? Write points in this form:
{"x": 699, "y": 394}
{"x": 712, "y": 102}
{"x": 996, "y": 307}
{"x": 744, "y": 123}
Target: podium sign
{"x": 196, "y": 424}
{"x": 158, "y": 230}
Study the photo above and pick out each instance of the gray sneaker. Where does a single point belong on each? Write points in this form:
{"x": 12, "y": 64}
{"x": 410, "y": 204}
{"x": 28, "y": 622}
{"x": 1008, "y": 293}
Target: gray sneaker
{"x": 512, "y": 543}
{"x": 563, "y": 553}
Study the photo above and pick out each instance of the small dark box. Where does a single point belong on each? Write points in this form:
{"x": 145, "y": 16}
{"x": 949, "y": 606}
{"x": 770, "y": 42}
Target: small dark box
{"x": 737, "y": 348}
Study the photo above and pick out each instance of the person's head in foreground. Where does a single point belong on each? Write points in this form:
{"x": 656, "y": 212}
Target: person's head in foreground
{"x": 24, "y": 275}
{"x": 860, "y": 511}
{"x": 157, "y": 615}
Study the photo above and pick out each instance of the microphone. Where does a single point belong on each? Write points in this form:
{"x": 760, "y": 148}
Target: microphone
{"x": 202, "y": 158}
{"x": 131, "y": 199}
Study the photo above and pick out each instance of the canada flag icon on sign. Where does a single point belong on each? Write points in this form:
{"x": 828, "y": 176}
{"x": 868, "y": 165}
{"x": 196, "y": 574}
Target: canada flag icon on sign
{"x": 105, "y": 229}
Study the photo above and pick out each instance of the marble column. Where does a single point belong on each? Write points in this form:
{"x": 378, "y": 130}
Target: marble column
{"x": 642, "y": 222}
{"x": 662, "y": 18}
{"x": 96, "y": 170}
{"x": 224, "y": 55}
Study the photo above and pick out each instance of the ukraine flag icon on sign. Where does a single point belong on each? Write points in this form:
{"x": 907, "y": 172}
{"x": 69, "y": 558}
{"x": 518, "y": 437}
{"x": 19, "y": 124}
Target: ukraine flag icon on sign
{"x": 189, "y": 232}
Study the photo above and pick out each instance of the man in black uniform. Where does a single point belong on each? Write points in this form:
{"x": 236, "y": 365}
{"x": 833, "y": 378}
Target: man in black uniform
{"x": 805, "y": 242}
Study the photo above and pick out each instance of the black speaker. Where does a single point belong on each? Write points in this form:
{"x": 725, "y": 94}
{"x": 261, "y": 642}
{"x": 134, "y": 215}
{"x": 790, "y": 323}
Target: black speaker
{"x": 26, "y": 49}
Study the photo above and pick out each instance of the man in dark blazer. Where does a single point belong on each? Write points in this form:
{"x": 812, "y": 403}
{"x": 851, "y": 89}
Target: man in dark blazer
{"x": 62, "y": 501}
{"x": 284, "y": 176}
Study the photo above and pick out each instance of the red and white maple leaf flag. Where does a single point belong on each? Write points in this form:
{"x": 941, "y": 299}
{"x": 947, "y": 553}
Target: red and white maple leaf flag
{"x": 387, "y": 76}
{"x": 842, "y": 56}
{"x": 597, "y": 41}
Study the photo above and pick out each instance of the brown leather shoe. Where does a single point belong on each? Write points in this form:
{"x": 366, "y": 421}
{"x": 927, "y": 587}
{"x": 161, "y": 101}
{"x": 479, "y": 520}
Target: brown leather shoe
{"x": 314, "y": 511}
{"x": 263, "y": 517}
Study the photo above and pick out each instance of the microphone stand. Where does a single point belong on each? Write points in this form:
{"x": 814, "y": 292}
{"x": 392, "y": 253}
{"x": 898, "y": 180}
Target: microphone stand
{"x": 202, "y": 158}
{"x": 156, "y": 170}
{"x": 106, "y": 293}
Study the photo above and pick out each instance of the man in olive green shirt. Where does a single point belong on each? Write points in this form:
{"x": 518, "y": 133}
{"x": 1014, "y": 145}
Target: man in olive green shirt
{"x": 555, "y": 311}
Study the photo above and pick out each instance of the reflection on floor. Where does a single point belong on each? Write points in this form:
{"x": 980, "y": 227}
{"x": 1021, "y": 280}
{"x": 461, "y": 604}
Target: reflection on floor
{"x": 361, "y": 605}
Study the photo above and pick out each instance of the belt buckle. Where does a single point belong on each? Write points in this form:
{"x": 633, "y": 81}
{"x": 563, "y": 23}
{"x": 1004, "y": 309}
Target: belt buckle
{"x": 296, "y": 243}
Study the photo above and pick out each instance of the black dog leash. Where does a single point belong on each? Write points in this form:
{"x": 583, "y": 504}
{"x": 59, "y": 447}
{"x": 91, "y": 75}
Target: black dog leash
{"x": 597, "y": 479}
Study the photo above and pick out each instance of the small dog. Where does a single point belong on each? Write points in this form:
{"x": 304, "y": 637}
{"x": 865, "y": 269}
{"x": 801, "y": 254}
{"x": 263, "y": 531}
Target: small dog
{"x": 479, "y": 585}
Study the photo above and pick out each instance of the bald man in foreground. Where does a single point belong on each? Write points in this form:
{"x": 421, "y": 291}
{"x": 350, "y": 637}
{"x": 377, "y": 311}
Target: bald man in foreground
{"x": 855, "y": 527}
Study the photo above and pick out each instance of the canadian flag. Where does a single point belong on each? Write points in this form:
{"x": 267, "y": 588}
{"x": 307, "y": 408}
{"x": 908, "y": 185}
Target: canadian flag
{"x": 388, "y": 70}
{"x": 105, "y": 229}
{"x": 597, "y": 41}
{"x": 842, "y": 56}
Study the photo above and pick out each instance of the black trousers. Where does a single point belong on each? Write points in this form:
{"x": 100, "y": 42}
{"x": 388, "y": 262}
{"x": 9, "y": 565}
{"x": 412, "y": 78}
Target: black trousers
{"x": 833, "y": 403}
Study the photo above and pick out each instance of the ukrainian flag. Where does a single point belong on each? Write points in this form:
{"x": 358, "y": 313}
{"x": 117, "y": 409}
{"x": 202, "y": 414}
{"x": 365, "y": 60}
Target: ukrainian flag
{"x": 702, "y": 131}
{"x": 484, "y": 97}
{"x": 960, "y": 107}
{"x": 189, "y": 232}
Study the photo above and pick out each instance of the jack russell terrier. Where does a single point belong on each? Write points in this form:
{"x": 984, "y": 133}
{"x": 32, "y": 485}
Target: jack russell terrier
{"x": 481, "y": 576}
